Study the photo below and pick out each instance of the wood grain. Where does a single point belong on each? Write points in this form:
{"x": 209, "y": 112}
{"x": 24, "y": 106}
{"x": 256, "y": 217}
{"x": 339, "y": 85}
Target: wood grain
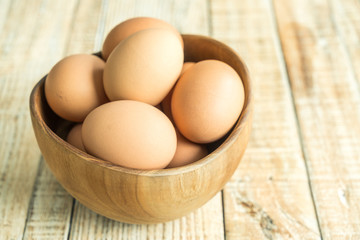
{"x": 345, "y": 17}
{"x": 135, "y": 196}
{"x": 269, "y": 195}
{"x": 50, "y": 209}
{"x": 328, "y": 103}
{"x": 26, "y": 51}
{"x": 89, "y": 225}
{"x": 206, "y": 223}
{"x": 80, "y": 39}
{"x": 51, "y": 206}
{"x": 189, "y": 17}
{"x": 77, "y": 43}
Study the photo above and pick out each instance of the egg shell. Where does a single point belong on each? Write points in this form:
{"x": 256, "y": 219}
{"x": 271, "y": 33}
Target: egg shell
{"x": 74, "y": 86}
{"x": 144, "y": 67}
{"x": 74, "y": 137}
{"x": 130, "y": 134}
{"x": 186, "y": 66}
{"x": 186, "y": 152}
{"x": 131, "y": 26}
{"x": 166, "y": 103}
{"x": 207, "y": 101}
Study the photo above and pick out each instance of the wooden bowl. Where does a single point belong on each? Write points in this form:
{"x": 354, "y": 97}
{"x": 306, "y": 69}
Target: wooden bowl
{"x": 139, "y": 196}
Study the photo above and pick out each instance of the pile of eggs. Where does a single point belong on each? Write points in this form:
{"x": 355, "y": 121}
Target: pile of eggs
{"x": 139, "y": 105}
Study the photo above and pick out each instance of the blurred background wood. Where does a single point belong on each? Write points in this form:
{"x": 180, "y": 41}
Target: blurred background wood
{"x": 299, "y": 178}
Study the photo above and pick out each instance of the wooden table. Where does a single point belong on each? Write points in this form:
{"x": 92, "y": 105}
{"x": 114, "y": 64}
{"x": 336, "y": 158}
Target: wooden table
{"x": 300, "y": 176}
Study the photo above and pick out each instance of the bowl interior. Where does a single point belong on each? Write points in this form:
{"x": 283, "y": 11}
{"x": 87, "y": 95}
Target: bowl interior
{"x": 196, "y": 48}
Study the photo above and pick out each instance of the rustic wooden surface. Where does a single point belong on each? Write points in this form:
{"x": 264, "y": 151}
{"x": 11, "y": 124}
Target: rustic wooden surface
{"x": 299, "y": 178}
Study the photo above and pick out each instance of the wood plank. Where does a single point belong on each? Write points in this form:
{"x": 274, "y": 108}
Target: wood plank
{"x": 80, "y": 42}
{"x": 26, "y": 53}
{"x": 205, "y": 223}
{"x": 86, "y": 27}
{"x": 51, "y": 206}
{"x": 187, "y": 16}
{"x": 345, "y": 18}
{"x": 269, "y": 196}
{"x": 327, "y": 101}
{"x": 197, "y": 225}
{"x": 4, "y": 10}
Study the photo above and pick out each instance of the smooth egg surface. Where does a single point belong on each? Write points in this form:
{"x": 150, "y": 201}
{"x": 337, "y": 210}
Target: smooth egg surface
{"x": 74, "y": 137}
{"x": 144, "y": 67}
{"x": 166, "y": 103}
{"x": 186, "y": 152}
{"x": 130, "y": 134}
{"x": 74, "y": 86}
{"x": 131, "y": 26}
{"x": 207, "y": 101}
{"x": 186, "y": 66}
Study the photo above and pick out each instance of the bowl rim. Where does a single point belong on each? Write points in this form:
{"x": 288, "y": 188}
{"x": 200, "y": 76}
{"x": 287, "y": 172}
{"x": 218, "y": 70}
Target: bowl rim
{"x": 241, "y": 121}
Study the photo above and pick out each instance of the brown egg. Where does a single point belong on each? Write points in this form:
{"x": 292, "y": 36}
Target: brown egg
{"x": 144, "y": 67}
{"x": 131, "y": 26}
{"x": 131, "y": 134}
{"x": 74, "y": 137}
{"x": 166, "y": 103}
{"x": 186, "y": 66}
{"x": 74, "y": 86}
{"x": 207, "y": 101}
{"x": 186, "y": 152}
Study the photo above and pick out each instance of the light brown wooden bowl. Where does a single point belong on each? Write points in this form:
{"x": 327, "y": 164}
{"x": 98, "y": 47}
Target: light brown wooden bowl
{"x": 138, "y": 196}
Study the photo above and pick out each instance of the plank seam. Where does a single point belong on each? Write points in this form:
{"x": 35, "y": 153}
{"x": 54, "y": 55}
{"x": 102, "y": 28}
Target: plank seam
{"x": 31, "y": 201}
{"x": 210, "y": 32}
{"x": 10, "y": 7}
{"x": 72, "y": 26}
{"x": 71, "y": 219}
{"x": 343, "y": 45}
{"x": 285, "y": 71}
{"x": 210, "y": 24}
{"x": 223, "y": 212}
{"x": 66, "y": 49}
{"x": 101, "y": 27}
